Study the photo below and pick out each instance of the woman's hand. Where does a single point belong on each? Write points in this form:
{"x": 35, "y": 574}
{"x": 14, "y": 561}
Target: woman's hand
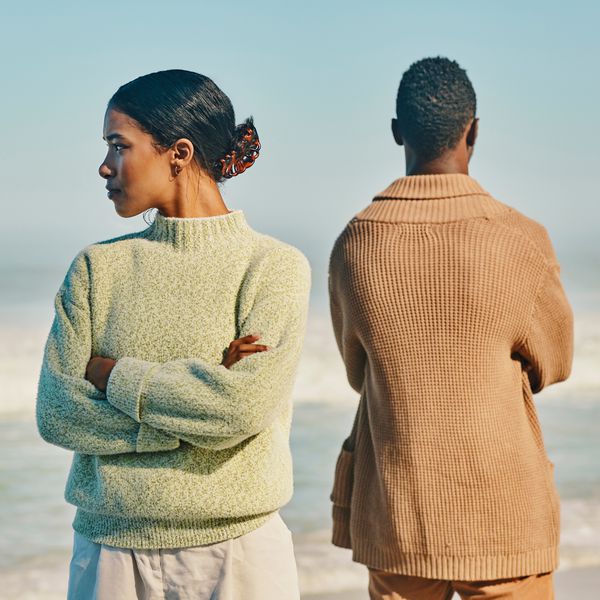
{"x": 98, "y": 371}
{"x": 242, "y": 347}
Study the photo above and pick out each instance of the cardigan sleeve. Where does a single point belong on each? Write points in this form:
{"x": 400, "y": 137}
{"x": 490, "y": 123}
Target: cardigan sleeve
{"x": 210, "y": 405}
{"x": 70, "y": 411}
{"x": 348, "y": 343}
{"x": 547, "y": 347}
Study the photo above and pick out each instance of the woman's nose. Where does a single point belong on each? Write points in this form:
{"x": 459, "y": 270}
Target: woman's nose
{"x": 105, "y": 171}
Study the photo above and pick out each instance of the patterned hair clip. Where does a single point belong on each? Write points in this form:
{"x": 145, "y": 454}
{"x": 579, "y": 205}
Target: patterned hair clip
{"x": 243, "y": 157}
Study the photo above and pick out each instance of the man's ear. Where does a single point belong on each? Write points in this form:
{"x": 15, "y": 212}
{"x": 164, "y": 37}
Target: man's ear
{"x": 472, "y": 133}
{"x": 396, "y": 132}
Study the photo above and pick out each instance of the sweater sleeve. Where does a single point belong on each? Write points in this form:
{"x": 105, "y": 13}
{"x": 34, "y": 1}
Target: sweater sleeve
{"x": 352, "y": 351}
{"x": 547, "y": 347}
{"x": 210, "y": 405}
{"x": 70, "y": 411}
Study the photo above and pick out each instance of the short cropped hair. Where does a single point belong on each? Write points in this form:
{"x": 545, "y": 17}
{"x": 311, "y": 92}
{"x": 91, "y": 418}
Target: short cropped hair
{"x": 435, "y": 102}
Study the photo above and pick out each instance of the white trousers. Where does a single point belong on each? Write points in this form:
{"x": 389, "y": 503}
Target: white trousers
{"x": 257, "y": 566}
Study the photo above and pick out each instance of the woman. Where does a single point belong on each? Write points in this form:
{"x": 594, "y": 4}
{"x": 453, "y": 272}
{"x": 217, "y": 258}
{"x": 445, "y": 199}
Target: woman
{"x": 180, "y": 435}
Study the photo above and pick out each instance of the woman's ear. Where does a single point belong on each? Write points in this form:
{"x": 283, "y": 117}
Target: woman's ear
{"x": 183, "y": 152}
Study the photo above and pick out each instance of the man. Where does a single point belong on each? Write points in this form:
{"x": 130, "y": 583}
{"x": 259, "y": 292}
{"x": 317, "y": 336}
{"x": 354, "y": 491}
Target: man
{"x": 449, "y": 314}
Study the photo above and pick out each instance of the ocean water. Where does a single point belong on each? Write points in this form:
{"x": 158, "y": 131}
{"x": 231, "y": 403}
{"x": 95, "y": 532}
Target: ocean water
{"x": 35, "y": 521}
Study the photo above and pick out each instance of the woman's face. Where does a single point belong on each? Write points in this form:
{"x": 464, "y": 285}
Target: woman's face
{"x": 138, "y": 176}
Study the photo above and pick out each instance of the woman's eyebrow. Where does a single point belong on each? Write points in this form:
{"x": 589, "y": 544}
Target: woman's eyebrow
{"x": 113, "y": 136}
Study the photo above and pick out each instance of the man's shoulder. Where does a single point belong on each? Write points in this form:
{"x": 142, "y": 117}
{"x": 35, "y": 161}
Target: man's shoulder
{"x": 345, "y": 236}
{"x": 528, "y": 229}
{"x": 525, "y": 230}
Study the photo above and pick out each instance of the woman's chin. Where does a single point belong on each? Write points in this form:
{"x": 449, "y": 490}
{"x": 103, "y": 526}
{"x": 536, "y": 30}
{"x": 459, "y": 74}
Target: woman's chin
{"x": 125, "y": 211}
{"x": 128, "y": 213}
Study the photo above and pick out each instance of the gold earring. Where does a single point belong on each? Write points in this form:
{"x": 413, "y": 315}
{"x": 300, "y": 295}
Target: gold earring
{"x": 177, "y": 170}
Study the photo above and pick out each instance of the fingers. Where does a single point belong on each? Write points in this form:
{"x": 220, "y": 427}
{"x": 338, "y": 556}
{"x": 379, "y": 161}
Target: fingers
{"x": 244, "y": 344}
{"x": 243, "y": 347}
{"x": 242, "y": 350}
{"x": 246, "y": 339}
{"x": 252, "y": 348}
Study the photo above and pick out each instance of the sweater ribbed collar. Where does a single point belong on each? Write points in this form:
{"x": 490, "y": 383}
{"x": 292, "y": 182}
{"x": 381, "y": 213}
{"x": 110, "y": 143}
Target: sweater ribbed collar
{"x": 189, "y": 233}
{"x": 432, "y": 199}
{"x": 424, "y": 187}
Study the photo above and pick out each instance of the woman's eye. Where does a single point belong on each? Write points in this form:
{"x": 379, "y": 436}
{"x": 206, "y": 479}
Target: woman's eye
{"x": 117, "y": 147}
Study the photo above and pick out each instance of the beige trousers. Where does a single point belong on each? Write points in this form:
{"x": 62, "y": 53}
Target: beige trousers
{"x": 390, "y": 586}
{"x": 257, "y": 566}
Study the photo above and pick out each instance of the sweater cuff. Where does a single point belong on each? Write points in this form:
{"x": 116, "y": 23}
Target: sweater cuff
{"x": 124, "y": 388}
{"x": 155, "y": 440}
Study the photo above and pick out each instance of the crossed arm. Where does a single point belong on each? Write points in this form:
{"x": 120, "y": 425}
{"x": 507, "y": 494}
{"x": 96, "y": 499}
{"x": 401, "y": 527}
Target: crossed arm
{"x": 71, "y": 412}
{"x": 99, "y": 368}
{"x": 149, "y": 406}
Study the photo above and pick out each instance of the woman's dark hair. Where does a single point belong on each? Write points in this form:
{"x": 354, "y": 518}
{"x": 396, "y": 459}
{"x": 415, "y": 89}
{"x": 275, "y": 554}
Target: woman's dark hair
{"x": 435, "y": 102}
{"x": 177, "y": 104}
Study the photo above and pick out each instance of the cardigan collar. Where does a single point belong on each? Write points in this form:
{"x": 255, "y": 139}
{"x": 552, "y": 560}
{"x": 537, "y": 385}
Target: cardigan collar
{"x": 423, "y": 187}
{"x": 432, "y": 199}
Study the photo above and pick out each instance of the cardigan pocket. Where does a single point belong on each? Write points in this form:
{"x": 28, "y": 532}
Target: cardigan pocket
{"x": 343, "y": 480}
{"x": 341, "y": 494}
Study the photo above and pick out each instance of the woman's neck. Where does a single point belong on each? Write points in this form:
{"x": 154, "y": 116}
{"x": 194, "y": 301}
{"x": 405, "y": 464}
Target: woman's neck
{"x": 195, "y": 196}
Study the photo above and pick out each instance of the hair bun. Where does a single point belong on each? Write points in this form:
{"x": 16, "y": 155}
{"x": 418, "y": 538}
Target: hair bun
{"x": 246, "y": 148}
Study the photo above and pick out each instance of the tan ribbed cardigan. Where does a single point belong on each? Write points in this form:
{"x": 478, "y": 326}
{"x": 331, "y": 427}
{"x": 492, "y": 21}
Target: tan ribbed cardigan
{"x": 448, "y": 313}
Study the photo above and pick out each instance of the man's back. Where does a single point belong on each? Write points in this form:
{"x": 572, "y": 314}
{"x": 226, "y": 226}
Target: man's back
{"x": 448, "y": 310}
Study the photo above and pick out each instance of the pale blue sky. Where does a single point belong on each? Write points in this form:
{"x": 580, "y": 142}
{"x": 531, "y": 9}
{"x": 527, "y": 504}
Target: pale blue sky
{"x": 320, "y": 79}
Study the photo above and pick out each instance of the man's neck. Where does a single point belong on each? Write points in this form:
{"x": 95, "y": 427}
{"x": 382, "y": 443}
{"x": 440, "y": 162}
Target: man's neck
{"x": 446, "y": 164}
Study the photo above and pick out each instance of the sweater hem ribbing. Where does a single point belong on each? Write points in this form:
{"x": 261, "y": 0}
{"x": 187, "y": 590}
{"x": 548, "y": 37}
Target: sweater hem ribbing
{"x": 434, "y": 566}
{"x": 453, "y": 568}
{"x": 150, "y": 534}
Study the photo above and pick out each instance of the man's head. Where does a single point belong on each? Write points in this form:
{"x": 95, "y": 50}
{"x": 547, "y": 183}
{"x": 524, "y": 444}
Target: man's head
{"x": 435, "y": 110}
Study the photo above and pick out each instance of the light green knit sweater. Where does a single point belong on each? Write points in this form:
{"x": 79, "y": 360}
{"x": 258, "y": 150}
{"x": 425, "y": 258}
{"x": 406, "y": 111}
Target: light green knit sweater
{"x": 180, "y": 451}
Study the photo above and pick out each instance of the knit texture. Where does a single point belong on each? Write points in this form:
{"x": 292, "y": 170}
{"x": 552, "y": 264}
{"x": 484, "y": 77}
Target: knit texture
{"x": 449, "y": 314}
{"x": 179, "y": 451}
